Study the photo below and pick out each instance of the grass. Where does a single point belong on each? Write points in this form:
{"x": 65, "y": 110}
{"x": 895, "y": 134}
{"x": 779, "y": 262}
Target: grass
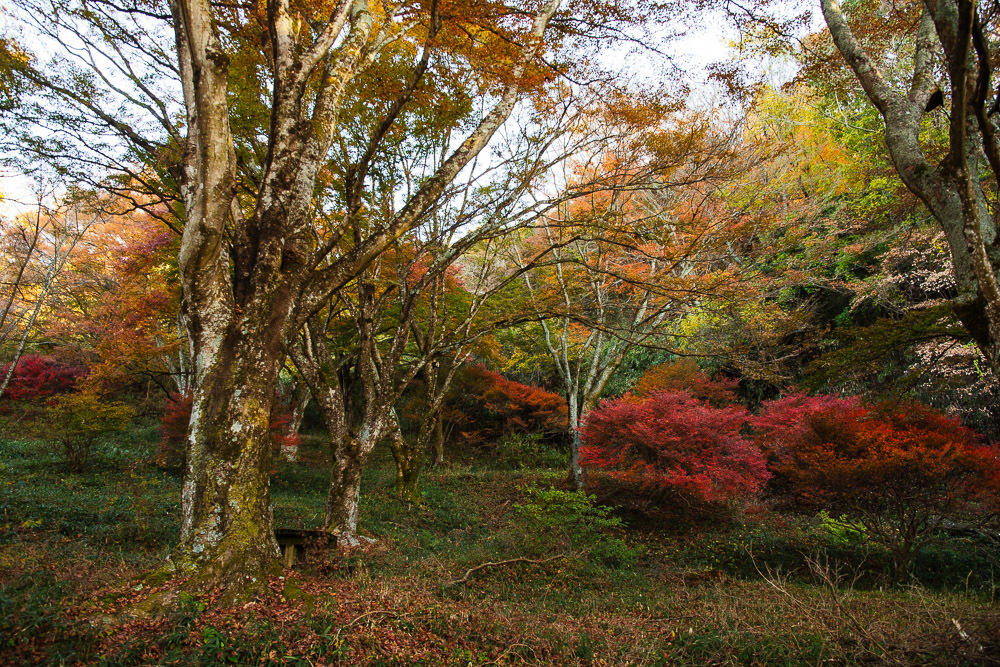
{"x": 734, "y": 591}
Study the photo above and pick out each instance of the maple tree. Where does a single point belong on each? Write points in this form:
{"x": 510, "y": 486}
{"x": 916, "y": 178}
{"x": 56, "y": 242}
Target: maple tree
{"x": 902, "y": 469}
{"x": 120, "y": 308}
{"x": 625, "y": 262}
{"x": 486, "y": 406}
{"x": 36, "y": 377}
{"x": 76, "y": 420}
{"x": 672, "y": 445}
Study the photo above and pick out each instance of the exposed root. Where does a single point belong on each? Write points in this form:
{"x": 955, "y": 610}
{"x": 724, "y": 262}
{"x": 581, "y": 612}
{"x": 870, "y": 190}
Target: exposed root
{"x": 351, "y": 540}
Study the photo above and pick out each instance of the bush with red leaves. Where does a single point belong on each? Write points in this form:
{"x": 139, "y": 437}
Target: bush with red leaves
{"x": 172, "y": 454}
{"x": 791, "y": 421}
{"x": 902, "y": 469}
{"x": 39, "y": 377}
{"x": 672, "y": 445}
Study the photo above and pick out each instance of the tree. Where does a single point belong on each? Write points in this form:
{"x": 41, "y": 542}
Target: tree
{"x": 39, "y": 244}
{"x": 956, "y": 181}
{"x": 486, "y": 406}
{"x": 431, "y": 297}
{"x": 261, "y": 253}
{"x": 626, "y": 260}
{"x": 672, "y": 445}
{"x": 902, "y": 469}
{"x": 120, "y": 308}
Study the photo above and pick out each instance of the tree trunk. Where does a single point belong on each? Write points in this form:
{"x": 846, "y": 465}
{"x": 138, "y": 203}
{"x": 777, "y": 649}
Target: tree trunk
{"x": 344, "y": 495}
{"x": 227, "y": 529}
{"x": 300, "y": 400}
{"x": 409, "y": 460}
{"x": 575, "y": 469}
{"x": 438, "y": 442}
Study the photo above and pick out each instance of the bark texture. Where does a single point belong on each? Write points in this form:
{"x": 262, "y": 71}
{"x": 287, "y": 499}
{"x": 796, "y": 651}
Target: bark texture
{"x": 951, "y": 189}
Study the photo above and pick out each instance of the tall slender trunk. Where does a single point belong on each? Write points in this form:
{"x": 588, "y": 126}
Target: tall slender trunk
{"x": 300, "y": 401}
{"x": 409, "y": 461}
{"x": 438, "y": 448}
{"x": 573, "y": 425}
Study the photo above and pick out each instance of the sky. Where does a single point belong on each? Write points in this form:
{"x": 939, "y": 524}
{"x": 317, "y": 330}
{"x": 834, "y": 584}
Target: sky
{"x": 702, "y": 45}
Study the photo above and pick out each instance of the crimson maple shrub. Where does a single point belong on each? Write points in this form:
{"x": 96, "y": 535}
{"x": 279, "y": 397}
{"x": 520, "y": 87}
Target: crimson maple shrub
{"x": 172, "y": 448}
{"x": 787, "y": 423}
{"x": 670, "y": 445}
{"x": 902, "y": 469}
{"x": 39, "y": 377}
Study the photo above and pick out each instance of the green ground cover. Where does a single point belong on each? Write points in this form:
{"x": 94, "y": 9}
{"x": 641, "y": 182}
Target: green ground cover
{"x": 748, "y": 588}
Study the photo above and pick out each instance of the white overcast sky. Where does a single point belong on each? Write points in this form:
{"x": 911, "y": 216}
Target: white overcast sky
{"x": 703, "y": 44}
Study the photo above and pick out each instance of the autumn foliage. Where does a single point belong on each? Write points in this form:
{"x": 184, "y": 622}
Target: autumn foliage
{"x": 77, "y": 420}
{"x": 487, "y": 406}
{"x": 901, "y": 468}
{"x": 684, "y": 375}
{"x": 40, "y": 377}
{"x": 174, "y": 424}
{"x": 671, "y": 443}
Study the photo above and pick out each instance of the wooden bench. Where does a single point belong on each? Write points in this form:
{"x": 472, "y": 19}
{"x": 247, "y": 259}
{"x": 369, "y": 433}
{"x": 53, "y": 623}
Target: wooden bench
{"x": 293, "y": 543}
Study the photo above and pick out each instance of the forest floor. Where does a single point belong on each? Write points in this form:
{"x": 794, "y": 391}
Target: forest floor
{"x": 738, "y": 589}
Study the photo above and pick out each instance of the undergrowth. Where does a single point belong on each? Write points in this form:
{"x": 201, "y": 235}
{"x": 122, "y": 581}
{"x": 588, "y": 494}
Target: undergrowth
{"x": 502, "y": 565}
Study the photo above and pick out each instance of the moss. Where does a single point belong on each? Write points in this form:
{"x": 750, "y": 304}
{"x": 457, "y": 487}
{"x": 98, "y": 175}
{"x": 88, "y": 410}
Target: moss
{"x": 157, "y": 604}
{"x": 159, "y": 576}
{"x": 294, "y": 593}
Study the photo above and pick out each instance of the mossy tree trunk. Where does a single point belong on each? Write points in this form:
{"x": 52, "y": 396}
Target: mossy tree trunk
{"x": 409, "y": 461}
{"x": 952, "y": 186}
{"x": 227, "y": 529}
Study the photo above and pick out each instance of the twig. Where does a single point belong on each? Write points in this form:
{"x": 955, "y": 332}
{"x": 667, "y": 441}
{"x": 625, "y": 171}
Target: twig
{"x": 483, "y": 566}
{"x": 336, "y": 638}
{"x": 371, "y": 613}
{"x": 664, "y": 619}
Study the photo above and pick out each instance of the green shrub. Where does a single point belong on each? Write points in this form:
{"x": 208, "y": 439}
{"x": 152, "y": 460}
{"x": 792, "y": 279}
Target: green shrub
{"x": 573, "y": 520}
{"x": 842, "y": 530}
{"x": 525, "y": 451}
{"x": 76, "y": 421}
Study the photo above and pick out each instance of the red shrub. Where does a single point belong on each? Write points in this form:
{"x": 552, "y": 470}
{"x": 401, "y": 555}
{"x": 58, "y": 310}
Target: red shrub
{"x": 36, "y": 377}
{"x": 672, "y": 442}
{"x": 900, "y": 468}
{"x": 172, "y": 453}
{"x": 798, "y": 418}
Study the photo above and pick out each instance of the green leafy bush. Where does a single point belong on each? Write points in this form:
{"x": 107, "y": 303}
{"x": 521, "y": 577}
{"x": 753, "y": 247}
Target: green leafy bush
{"x": 76, "y": 421}
{"x": 572, "y": 520}
{"x": 841, "y": 529}
{"x": 529, "y": 450}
